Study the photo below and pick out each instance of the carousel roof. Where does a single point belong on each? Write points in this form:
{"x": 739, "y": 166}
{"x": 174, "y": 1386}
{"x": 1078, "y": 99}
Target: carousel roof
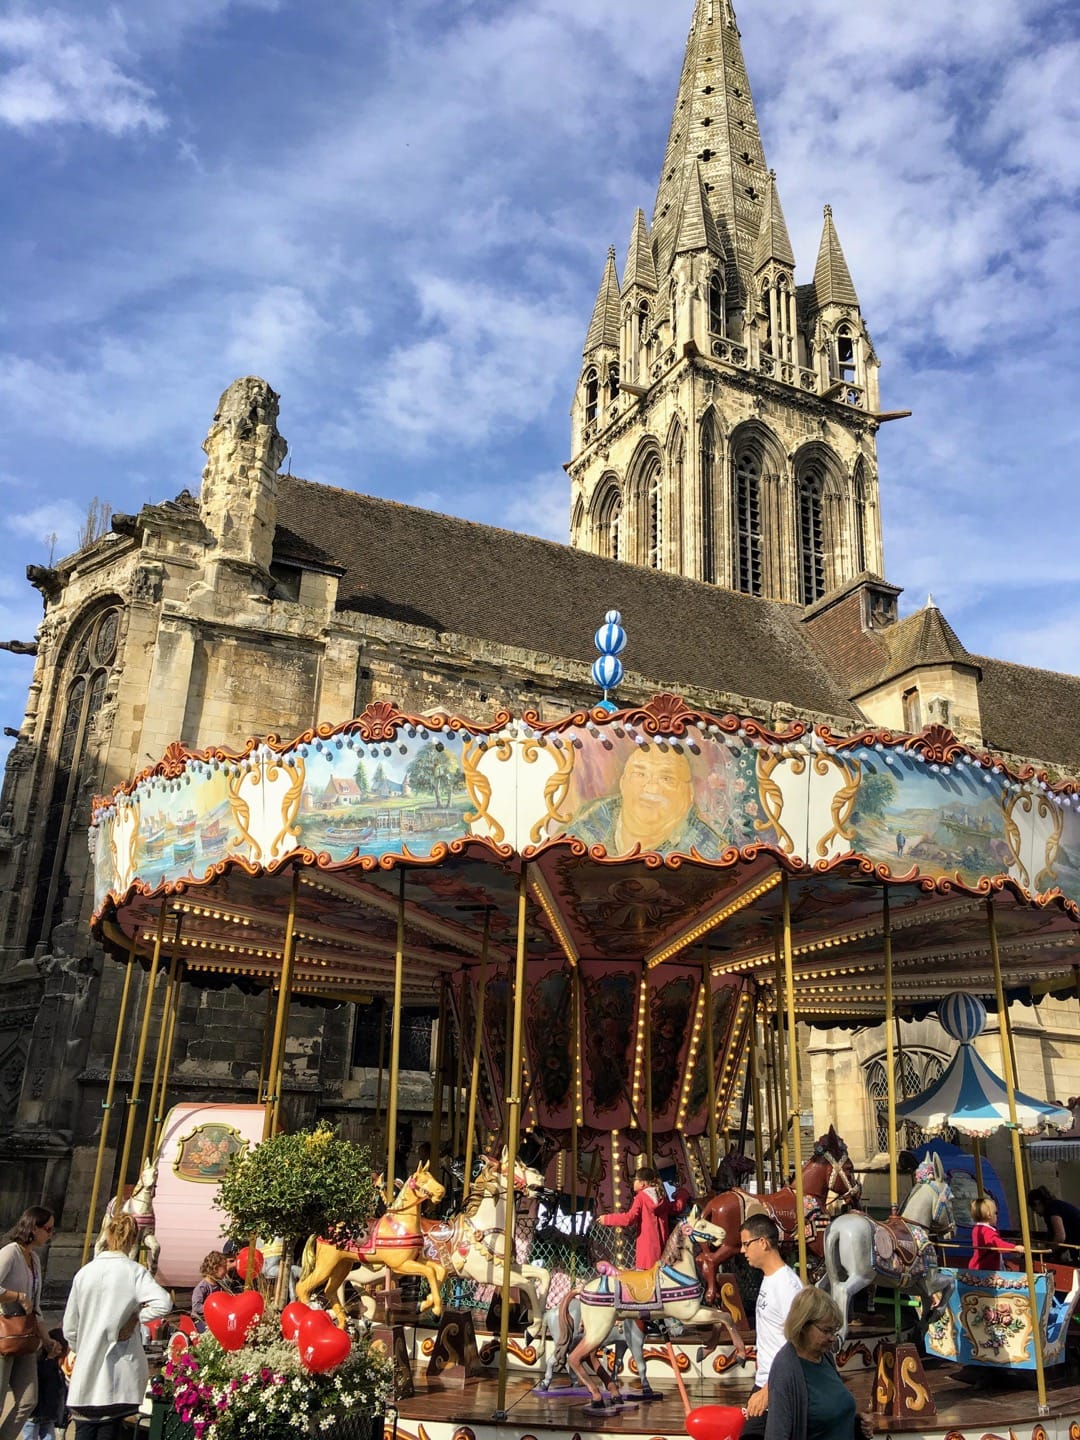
{"x": 654, "y": 840}
{"x": 970, "y": 1098}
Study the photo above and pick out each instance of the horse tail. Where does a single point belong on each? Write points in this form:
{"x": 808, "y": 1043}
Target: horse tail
{"x": 307, "y": 1261}
{"x": 567, "y": 1330}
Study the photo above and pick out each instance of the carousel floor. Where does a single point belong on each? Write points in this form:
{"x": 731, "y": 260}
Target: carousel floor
{"x": 971, "y": 1405}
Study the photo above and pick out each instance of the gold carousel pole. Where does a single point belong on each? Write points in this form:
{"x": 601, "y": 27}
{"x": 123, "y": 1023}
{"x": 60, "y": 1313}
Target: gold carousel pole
{"x": 513, "y": 1109}
{"x": 478, "y": 1036}
{"x": 395, "y": 1042}
{"x": 163, "y": 1031}
{"x": 890, "y": 1051}
{"x": 437, "y": 1087}
{"x": 1018, "y": 1151}
{"x": 781, "y": 1068}
{"x": 646, "y": 1020}
{"x": 575, "y": 1003}
{"x": 107, "y": 1104}
{"x": 140, "y": 1056}
{"x": 710, "y": 1070}
{"x": 170, "y": 1043}
{"x": 755, "y": 1097}
{"x": 793, "y": 1074}
{"x": 276, "y": 1072}
{"x": 770, "y": 1091}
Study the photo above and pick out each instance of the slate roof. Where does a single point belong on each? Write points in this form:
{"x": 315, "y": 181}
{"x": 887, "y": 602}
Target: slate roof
{"x": 832, "y": 278}
{"x": 925, "y": 638}
{"x": 1030, "y": 712}
{"x": 437, "y": 571}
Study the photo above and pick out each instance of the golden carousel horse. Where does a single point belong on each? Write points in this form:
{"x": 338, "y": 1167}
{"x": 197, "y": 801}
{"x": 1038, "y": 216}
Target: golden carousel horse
{"x": 394, "y": 1241}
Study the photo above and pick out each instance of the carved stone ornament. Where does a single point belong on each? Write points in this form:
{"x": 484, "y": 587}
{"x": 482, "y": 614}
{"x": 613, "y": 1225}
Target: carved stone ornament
{"x": 148, "y": 583}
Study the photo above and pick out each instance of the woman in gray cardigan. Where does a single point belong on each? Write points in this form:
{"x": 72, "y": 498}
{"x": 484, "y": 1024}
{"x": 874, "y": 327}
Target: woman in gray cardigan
{"x": 807, "y": 1398}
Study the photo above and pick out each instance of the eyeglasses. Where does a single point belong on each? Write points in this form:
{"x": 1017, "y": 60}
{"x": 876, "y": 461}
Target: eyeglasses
{"x": 831, "y": 1330}
{"x": 745, "y": 1244}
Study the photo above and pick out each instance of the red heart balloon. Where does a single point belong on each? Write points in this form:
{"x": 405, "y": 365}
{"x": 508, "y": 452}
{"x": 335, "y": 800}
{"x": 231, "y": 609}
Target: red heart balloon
{"x": 715, "y": 1422}
{"x": 229, "y": 1317}
{"x": 257, "y": 1262}
{"x": 321, "y": 1344}
{"x": 294, "y": 1314}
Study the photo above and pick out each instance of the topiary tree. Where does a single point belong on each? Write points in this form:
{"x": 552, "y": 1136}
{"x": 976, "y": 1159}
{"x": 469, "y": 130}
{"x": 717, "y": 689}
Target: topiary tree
{"x": 293, "y": 1186}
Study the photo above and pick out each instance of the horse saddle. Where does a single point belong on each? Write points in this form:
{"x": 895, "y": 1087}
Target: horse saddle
{"x": 635, "y": 1287}
{"x": 897, "y": 1245}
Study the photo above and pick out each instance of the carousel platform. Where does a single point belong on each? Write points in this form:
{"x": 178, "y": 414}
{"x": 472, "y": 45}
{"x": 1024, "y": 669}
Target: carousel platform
{"x": 972, "y": 1404}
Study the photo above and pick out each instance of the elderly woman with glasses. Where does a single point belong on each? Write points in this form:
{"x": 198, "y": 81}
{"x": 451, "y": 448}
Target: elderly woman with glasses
{"x": 20, "y": 1294}
{"x": 807, "y": 1398}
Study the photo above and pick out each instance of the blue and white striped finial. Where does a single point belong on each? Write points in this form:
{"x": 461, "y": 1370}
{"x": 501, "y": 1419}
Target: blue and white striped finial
{"x": 962, "y": 1016}
{"x": 607, "y": 670}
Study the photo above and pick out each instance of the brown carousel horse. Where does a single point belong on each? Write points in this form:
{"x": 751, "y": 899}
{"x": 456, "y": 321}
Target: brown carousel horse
{"x": 828, "y": 1171}
{"x": 394, "y": 1242}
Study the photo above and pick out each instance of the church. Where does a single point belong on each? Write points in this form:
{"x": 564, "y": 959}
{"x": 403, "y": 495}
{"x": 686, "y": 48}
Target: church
{"x": 723, "y": 496}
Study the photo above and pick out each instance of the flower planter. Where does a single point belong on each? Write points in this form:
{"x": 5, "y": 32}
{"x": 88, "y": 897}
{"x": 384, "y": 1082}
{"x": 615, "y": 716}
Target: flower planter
{"x": 165, "y": 1423}
{"x": 355, "y": 1426}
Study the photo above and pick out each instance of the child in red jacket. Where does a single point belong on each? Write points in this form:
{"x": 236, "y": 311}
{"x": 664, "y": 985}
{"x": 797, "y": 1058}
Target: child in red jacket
{"x": 653, "y": 1213}
{"x": 987, "y": 1246}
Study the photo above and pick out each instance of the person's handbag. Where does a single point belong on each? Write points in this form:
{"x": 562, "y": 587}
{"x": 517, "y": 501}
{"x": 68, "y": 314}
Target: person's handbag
{"x": 19, "y": 1334}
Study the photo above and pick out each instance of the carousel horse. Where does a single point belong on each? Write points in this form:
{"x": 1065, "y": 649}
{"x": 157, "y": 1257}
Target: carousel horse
{"x": 861, "y": 1253}
{"x": 478, "y": 1233}
{"x": 140, "y": 1206}
{"x": 394, "y": 1241}
{"x": 670, "y": 1290}
{"x": 827, "y": 1172}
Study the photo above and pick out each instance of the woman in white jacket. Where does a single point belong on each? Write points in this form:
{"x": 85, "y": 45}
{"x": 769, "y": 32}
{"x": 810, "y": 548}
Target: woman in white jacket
{"x": 109, "y": 1298}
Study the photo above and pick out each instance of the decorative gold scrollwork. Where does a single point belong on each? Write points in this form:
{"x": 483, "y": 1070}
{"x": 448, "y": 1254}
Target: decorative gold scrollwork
{"x": 843, "y": 802}
{"x": 556, "y": 786}
{"x": 290, "y": 805}
{"x": 241, "y": 814}
{"x": 772, "y": 797}
{"x": 885, "y": 1389}
{"x": 916, "y": 1396}
{"x": 479, "y": 786}
{"x": 1009, "y": 802}
{"x": 1053, "y": 841}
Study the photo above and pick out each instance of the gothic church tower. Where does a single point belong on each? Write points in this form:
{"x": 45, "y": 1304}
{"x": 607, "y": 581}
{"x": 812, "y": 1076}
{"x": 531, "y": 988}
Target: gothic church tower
{"x": 725, "y": 419}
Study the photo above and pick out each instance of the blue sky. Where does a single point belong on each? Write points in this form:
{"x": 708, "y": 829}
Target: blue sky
{"x": 398, "y": 214}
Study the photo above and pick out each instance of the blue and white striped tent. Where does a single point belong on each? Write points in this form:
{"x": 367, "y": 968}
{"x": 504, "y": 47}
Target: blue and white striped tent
{"x": 970, "y": 1098}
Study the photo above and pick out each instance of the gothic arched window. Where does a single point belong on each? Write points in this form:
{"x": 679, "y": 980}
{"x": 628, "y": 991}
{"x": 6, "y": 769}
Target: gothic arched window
{"x": 747, "y": 475}
{"x": 609, "y": 524}
{"x": 613, "y": 382}
{"x": 86, "y": 672}
{"x": 811, "y": 536}
{"x": 717, "y": 307}
{"x": 592, "y": 396}
{"x": 845, "y": 355}
{"x": 673, "y": 310}
{"x": 654, "y": 519}
{"x": 916, "y": 1071}
{"x": 708, "y": 498}
{"x": 860, "y": 520}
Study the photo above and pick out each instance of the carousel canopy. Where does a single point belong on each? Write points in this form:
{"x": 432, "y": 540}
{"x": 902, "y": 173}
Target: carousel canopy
{"x": 970, "y": 1098}
{"x": 652, "y": 842}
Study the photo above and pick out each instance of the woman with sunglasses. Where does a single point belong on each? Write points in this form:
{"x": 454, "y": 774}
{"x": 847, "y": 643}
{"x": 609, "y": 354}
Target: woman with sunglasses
{"x": 20, "y": 1294}
{"x": 807, "y": 1398}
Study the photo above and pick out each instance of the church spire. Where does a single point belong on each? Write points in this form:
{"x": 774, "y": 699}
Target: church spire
{"x": 832, "y": 278}
{"x": 605, "y": 322}
{"x": 773, "y": 241}
{"x": 714, "y": 124}
{"x": 696, "y": 228}
{"x": 640, "y": 267}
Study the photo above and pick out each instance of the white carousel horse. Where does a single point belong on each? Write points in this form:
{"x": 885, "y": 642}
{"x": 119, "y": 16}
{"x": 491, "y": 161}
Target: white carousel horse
{"x": 861, "y": 1253}
{"x": 478, "y": 1234}
{"x": 671, "y": 1290}
{"x": 140, "y": 1206}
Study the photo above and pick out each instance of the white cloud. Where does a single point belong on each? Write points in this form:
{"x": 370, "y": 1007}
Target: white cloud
{"x": 484, "y": 367}
{"x": 59, "y": 518}
{"x": 58, "y": 70}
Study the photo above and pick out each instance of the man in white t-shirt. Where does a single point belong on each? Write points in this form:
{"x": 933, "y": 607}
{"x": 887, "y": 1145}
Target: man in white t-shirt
{"x": 780, "y": 1284}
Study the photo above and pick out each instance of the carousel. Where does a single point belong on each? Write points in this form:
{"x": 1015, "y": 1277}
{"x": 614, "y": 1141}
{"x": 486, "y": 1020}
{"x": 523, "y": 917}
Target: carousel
{"x": 623, "y": 916}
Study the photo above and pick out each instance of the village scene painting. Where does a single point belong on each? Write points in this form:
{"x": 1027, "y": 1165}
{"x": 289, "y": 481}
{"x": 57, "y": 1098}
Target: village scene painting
{"x": 341, "y": 797}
